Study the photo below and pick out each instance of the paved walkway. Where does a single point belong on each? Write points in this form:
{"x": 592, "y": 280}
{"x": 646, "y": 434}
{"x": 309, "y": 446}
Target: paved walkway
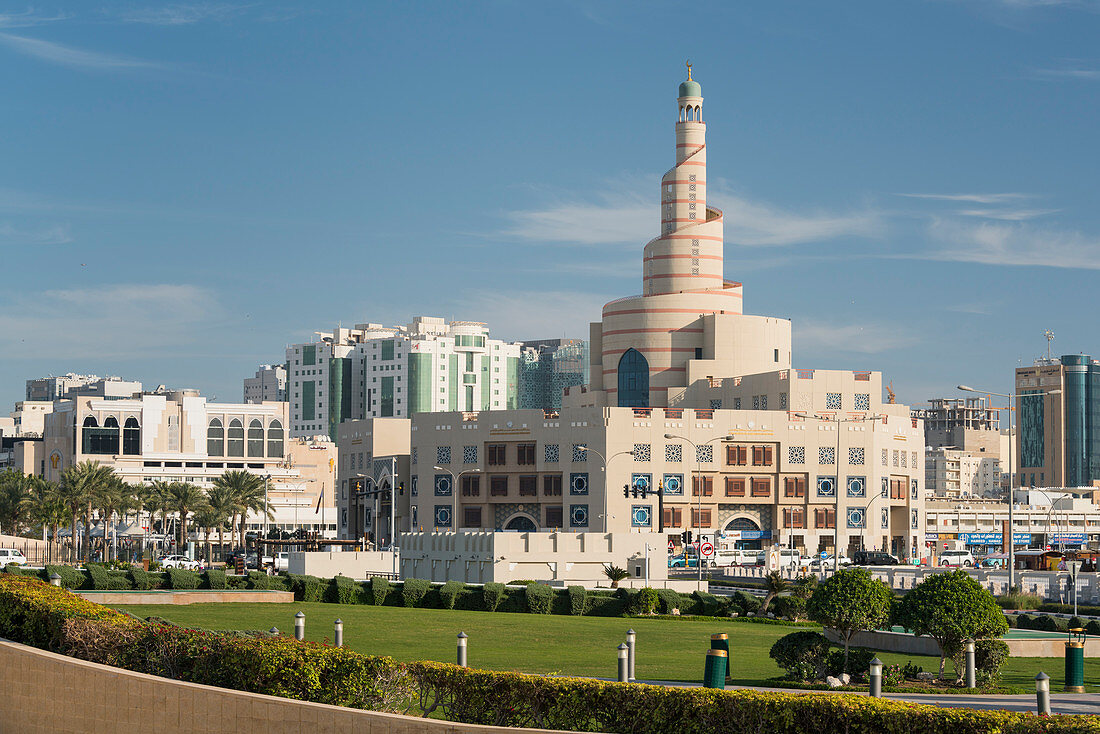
{"x": 1060, "y": 703}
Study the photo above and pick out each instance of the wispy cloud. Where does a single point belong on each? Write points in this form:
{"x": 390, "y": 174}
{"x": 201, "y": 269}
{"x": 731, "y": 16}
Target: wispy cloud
{"x": 516, "y": 315}
{"x": 1091, "y": 74}
{"x": 118, "y": 321}
{"x": 1003, "y": 198}
{"x": 858, "y": 338}
{"x": 1012, "y": 244}
{"x": 76, "y": 58}
{"x": 28, "y": 19}
{"x": 633, "y": 217}
{"x": 52, "y": 235}
{"x": 1008, "y": 215}
{"x": 184, "y": 13}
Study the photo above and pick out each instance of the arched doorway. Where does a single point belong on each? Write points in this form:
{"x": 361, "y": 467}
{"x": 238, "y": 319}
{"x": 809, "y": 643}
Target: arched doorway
{"x": 633, "y": 380}
{"x": 745, "y": 524}
{"x": 521, "y": 524}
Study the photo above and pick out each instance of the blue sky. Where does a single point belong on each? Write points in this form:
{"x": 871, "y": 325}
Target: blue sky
{"x": 186, "y": 188}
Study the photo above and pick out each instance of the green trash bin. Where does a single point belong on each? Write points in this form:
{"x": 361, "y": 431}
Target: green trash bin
{"x": 714, "y": 673}
{"x": 722, "y": 642}
{"x": 1075, "y": 662}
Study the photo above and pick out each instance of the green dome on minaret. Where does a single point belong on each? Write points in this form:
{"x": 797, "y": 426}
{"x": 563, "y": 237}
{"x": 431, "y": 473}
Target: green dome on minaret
{"x": 690, "y": 88}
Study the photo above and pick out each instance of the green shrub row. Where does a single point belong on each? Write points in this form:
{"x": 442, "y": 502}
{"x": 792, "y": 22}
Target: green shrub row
{"x": 99, "y": 577}
{"x": 1047, "y": 623}
{"x": 34, "y": 613}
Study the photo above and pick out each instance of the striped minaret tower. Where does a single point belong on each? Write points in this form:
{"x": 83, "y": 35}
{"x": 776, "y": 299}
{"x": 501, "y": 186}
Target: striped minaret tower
{"x": 687, "y": 324}
{"x": 687, "y": 256}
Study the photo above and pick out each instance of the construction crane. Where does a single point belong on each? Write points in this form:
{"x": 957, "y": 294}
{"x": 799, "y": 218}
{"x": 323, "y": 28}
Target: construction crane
{"x": 890, "y": 392}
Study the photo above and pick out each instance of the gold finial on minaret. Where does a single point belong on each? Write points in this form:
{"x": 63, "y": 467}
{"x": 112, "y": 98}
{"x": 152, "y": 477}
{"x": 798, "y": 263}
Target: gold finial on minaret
{"x": 689, "y": 69}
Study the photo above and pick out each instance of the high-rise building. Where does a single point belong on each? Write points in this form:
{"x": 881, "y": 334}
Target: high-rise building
{"x": 547, "y": 367}
{"x": 1058, "y": 404}
{"x": 72, "y": 385}
{"x": 963, "y": 440}
{"x": 268, "y": 385}
{"x": 372, "y": 371}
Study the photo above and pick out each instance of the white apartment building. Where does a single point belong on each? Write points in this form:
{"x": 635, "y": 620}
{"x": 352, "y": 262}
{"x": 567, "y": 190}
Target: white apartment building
{"x": 372, "y": 371}
{"x": 267, "y": 386}
{"x": 958, "y": 474}
{"x": 72, "y": 385}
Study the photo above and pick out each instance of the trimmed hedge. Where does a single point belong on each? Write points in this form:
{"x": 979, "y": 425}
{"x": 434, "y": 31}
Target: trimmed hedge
{"x": 214, "y": 578}
{"x": 540, "y": 598}
{"x": 181, "y": 578}
{"x": 413, "y": 590}
{"x": 71, "y": 578}
{"x": 345, "y": 590}
{"x": 37, "y": 614}
{"x": 307, "y": 588}
{"x": 449, "y": 592}
{"x": 380, "y": 589}
{"x": 492, "y": 594}
{"x": 578, "y": 599}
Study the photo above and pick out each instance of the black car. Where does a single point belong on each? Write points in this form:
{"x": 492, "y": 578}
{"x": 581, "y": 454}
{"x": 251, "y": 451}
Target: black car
{"x": 874, "y": 558}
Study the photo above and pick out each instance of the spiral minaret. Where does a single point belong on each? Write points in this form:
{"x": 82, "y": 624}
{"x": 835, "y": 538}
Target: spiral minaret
{"x": 687, "y": 323}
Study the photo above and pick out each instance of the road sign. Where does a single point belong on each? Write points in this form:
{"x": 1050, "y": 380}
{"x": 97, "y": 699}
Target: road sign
{"x": 1074, "y": 568}
{"x": 706, "y": 549}
{"x": 671, "y": 547}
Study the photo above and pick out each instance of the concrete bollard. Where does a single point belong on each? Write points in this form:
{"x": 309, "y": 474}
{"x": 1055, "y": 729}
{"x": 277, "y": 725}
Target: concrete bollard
{"x": 274, "y": 631}
{"x": 624, "y": 663}
{"x": 1042, "y": 694}
{"x": 462, "y": 637}
{"x": 875, "y": 671}
{"x": 631, "y": 639}
{"x": 338, "y": 633}
{"x": 299, "y": 626}
{"x": 55, "y": 578}
{"x": 971, "y": 673}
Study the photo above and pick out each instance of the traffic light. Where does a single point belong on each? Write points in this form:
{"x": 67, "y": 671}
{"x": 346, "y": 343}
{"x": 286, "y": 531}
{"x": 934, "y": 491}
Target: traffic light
{"x": 684, "y": 538}
{"x": 401, "y": 488}
{"x": 634, "y": 492}
{"x": 626, "y": 491}
{"x": 644, "y": 492}
{"x": 689, "y": 537}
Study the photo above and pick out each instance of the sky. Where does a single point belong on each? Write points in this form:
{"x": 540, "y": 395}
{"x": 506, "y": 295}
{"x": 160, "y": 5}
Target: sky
{"x": 187, "y": 188}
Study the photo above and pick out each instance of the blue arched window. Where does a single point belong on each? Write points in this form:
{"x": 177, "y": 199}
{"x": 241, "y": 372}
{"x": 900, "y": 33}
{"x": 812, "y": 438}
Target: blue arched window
{"x": 633, "y": 380}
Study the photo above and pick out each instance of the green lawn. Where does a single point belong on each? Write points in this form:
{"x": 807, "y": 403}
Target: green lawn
{"x": 670, "y": 650}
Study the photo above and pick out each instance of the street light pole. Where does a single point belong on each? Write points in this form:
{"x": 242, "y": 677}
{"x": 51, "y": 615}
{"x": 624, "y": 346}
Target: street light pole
{"x": 454, "y": 491}
{"x": 606, "y": 460}
{"x": 1011, "y": 471}
{"x": 267, "y": 509}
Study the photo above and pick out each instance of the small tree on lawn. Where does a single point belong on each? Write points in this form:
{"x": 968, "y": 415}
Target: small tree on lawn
{"x": 774, "y": 584}
{"x": 850, "y": 601}
{"x": 951, "y": 608}
{"x": 615, "y": 574}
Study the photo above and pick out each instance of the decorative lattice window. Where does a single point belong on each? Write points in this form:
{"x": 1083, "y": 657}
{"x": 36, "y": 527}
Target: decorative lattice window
{"x": 705, "y": 454}
{"x": 914, "y": 464}
{"x": 856, "y": 517}
{"x": 857, "y": 486}
{"x": 716, "y": 404}
{"x": 884, "y": 518}
{"x": 896, "y": 459}
{"x": 783, "y": 401}
{"x": 469, "y": 454}
{"x": 832, "y": 401}
{"x": 642, "y": 452}
{"x": 796, "y": 454}
{"x": 551, "y": 453}
{"x": 414, "y": 455}
{"x": 578, "y": 516}
{"x": 862, "y": 401}
{"x": 673, "y": 484}
{"x": 674, "y": 452}
{"x": 578, "y": 483}
{"x": 443, "y": 454}
{"x": 580, "y": 452}
{"x": 826, "y": 455}
{"x": 885, "y": 456}
{"x": 826, "y": 486}
{"x": 855, "y": 455}
{"x": 737, "y": 403}
{"x": 913, "y": 520}
{"x": 904, "y": 458}
{"x": 763, "y": 402}
{"x": 756, "y": 402}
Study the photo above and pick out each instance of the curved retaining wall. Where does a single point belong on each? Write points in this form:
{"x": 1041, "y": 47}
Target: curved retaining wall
{"x": 48, "y": 693}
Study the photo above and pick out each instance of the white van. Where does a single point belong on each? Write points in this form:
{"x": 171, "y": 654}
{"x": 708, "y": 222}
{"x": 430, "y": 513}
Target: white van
{"x": 786, "y": 557}
{"x": 11, "y": 555}
{"x": 736, "y": 557}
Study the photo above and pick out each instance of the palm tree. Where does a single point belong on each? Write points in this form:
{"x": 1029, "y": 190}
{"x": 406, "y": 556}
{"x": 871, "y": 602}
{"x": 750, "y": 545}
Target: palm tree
{"x": 159, "y": 502}
{"x": 247, "y": 493}
{"x": 117, "y": 497}
{"x": 207, "y": 518}
{"x": 15, "y": 489}
{"x": 45, "y": 508}
{"x": 183, "y": 498}
{"x": 80, "y": 486}
{"x": 616, "y": 574}
{"x": 221, "y": 503}
{"x": 774, "y": 584}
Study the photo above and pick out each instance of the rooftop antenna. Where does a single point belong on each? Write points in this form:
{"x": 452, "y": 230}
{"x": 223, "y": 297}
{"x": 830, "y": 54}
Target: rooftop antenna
{"x": 1050, "y": 337}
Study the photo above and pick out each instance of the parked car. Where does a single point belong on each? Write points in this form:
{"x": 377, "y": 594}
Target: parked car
{"x": 249, "y": 560}
{"x": 11, "y": 555}
{"x": 874, "y": 558}
{"x": 826, "y": 562}
{"x": 282, "y": 561}
{"x": 957, "y": 558}
{"x": 735, "y": 557}
{"x": 178, "y": 562}
{"x": 681, "y": 560}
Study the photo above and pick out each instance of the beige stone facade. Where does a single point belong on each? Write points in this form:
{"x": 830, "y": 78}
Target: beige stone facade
{"x": 373, "y": 455}
{"x": 182, "y": 437}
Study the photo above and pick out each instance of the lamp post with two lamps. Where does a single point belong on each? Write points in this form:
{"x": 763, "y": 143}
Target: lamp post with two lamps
{"x": 698, "y": 486}
{"x": 1011, "y": 472}
{"x": 454, "y": 491}
{"x": 836, "y": 487}
{"x": 606, "y": 460}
